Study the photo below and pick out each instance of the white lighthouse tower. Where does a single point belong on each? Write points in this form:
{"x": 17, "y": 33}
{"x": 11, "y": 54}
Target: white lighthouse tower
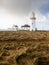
{"x": 33, "y": 18}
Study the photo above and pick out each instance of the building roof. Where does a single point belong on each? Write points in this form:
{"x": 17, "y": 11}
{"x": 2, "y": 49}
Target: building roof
{"x": 26, "y": 25}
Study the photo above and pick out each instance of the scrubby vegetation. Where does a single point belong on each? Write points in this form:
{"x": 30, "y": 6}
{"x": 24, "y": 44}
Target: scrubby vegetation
{"x": 24, "y": 48}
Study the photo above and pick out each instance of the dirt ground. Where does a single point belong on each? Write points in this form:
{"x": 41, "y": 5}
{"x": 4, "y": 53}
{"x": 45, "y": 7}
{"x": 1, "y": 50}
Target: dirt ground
{"x": 24, "y": 48}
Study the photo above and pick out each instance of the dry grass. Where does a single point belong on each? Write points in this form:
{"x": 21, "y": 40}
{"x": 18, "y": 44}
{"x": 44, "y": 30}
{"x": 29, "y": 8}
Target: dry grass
{"x": 24, "y": 48}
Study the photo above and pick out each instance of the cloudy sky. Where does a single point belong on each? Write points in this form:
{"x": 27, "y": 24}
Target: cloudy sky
{"x": 19, "y": 12}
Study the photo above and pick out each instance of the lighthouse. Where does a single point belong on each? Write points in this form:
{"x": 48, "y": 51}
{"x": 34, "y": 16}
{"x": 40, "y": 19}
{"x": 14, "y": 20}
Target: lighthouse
{"x": 33, "y": 18}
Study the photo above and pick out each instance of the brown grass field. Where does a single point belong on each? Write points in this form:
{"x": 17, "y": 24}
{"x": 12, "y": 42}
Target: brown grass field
{"x": 24, "y": 48}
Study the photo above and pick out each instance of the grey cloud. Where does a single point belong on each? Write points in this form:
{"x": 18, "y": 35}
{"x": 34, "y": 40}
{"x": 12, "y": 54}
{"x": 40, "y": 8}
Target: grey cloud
{"x": 19, "y": 6}
{"x": 22, "y": 6}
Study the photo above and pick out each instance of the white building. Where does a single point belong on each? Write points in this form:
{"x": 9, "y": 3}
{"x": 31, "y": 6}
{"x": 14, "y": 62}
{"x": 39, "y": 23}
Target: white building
{"x": 25, "y": 27}
{"x": 15, "y": 27}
